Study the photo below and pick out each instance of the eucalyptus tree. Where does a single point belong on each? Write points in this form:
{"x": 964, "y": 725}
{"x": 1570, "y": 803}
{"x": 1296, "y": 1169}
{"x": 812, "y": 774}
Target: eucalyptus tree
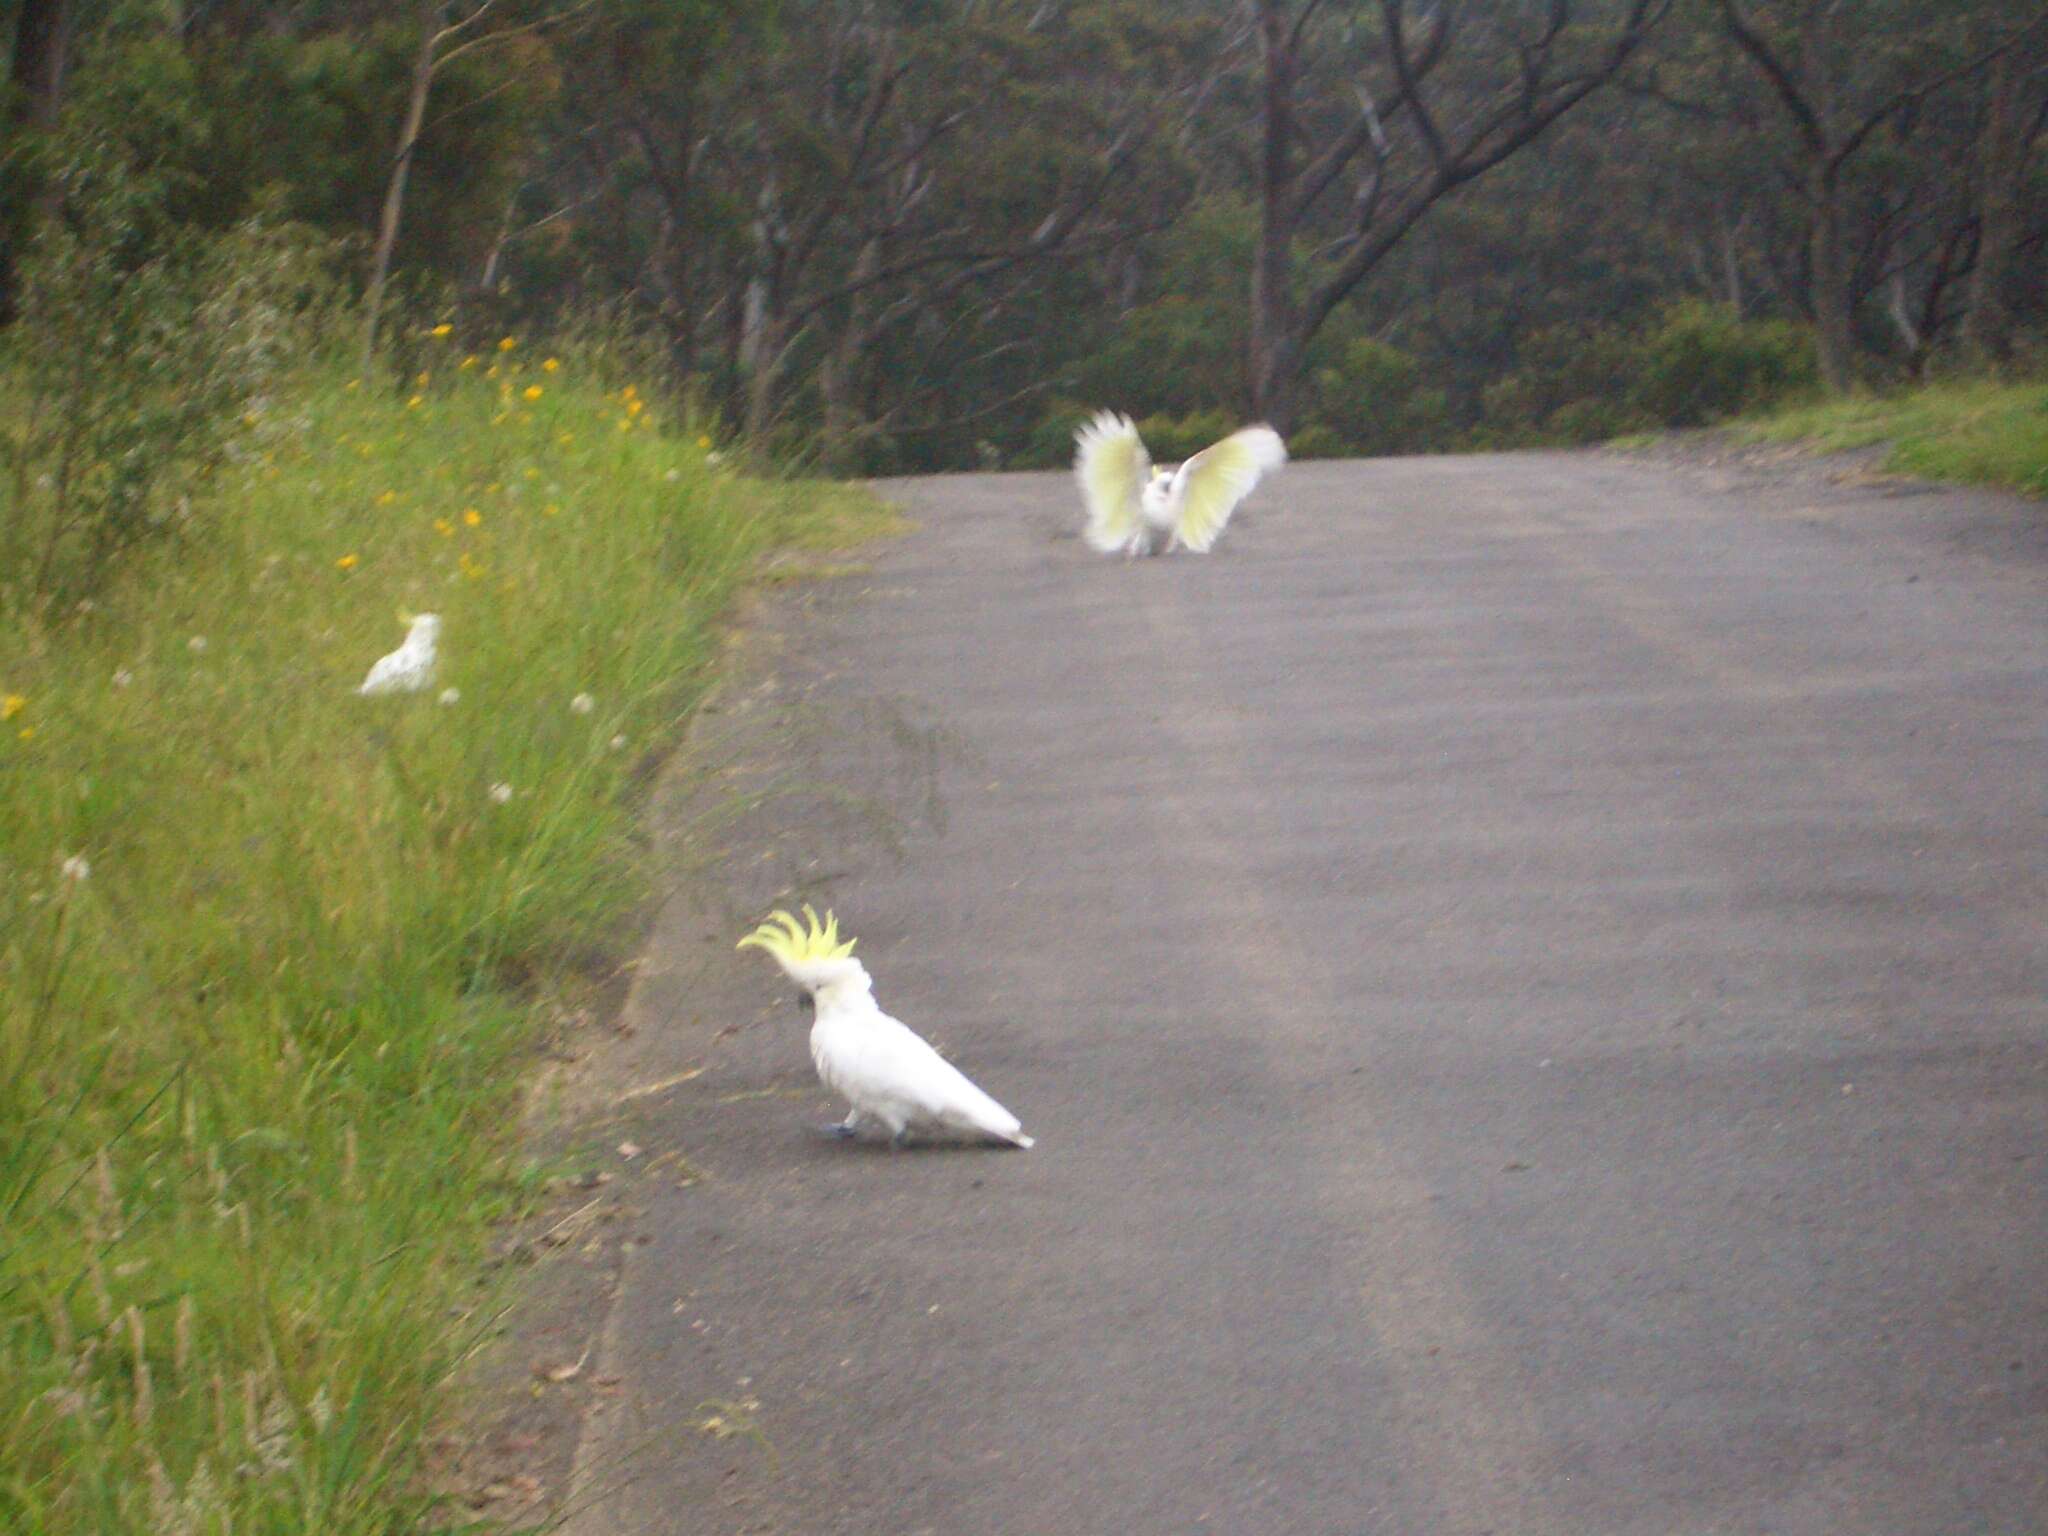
{"x": 1843, "y": 74}
{"x": 1369, "y": 115}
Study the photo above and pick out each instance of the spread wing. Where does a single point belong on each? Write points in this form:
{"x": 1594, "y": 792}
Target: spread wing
{"x": 1207, "y": 489}
{"x": 1112, "y": 466}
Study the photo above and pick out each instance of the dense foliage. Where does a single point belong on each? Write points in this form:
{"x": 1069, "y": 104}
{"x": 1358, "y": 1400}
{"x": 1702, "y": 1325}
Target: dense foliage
{"x": 902, "y": 234}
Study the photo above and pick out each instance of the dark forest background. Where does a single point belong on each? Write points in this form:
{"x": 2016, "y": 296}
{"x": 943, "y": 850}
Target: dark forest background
{"x": 913, "y": 235}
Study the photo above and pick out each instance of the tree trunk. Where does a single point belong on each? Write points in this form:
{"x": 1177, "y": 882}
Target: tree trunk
{"x": 2001, "y": 160}
{"x": 838, "y": 372}
{"x": 761, "y": 347}
{"x": 1731, "y": 261}
{"x": 1833, "y": 322}
{"x": 41, "y": 33}
{"x": 1275, "y": 347}
{"x": 401, "y": 165}
{"x": 36, "y": 77}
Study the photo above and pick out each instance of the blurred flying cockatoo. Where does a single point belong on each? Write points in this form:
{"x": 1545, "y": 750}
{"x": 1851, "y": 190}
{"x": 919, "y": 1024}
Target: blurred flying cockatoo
{"x": 409, "y": 668}
{"x": 1143, "y": 509}
{"x": 880, "y": 1066}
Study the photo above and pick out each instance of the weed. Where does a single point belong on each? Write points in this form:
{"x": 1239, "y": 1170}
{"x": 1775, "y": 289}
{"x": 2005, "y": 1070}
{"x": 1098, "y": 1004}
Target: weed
{"x": 271, "y": 953}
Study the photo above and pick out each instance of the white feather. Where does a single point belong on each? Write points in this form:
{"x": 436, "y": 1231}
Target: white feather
{"x": 1136, "y": 508}
{"x": 410, "y": 668}
{"x": 1112, "y": 467}
{"x": 1208, "y": 488}
{"x": 890, "y": 1074}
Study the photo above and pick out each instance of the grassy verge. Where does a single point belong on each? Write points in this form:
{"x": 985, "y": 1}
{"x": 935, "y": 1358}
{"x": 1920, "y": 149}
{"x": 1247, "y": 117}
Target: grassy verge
{"x": 270, "y": 952}
{"x": 1977, "y": 433}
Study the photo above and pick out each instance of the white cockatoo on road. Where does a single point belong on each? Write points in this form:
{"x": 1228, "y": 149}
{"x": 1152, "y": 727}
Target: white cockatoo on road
{"x": 880, "y": 1066}
{"x": 410, "y": 668}
{"x": 1144, "y": 509}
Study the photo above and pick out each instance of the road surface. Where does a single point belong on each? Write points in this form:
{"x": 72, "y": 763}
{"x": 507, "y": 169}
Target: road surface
{"x": 1527, "y": 974}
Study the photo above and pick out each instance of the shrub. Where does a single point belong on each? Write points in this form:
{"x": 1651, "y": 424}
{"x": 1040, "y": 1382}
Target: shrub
{"x": 1373, "y": 400}
{"x": 1316, "y": 441}
{"x": 1570, "y": 386}
{"x": 1704, "y": 362}
{"x": 142, "y": 352}
{"x": 1173, "y": 438}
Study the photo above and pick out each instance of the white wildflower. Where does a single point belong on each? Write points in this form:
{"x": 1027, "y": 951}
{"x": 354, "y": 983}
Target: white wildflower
{"x": 618, "y": 743}
{"x": 123, "y": 677}
{"x": 196, "y": 644}
{"x": 582, "y": 704}
{"x": 76, "y": 867}
{"x": 501, "y": 794}
{"x": 451, "y": 696}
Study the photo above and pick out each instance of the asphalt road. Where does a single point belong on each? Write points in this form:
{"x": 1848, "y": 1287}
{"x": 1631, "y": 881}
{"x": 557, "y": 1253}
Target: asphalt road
{"x": 1529, "y": 975}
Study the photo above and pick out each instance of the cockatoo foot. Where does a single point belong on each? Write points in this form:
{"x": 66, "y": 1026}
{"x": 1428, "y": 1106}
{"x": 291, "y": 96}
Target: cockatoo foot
{"x": 840, "y": 1130}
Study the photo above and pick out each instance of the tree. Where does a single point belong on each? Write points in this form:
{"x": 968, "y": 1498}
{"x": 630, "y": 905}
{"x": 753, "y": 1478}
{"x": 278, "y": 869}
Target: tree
{"x": 2012, "y": 125}
{"x": 35, "y": 78}
{"x": 441, "y": 43}
{"x": 1839, "y": 71}
{"x": 1440, "y": 96}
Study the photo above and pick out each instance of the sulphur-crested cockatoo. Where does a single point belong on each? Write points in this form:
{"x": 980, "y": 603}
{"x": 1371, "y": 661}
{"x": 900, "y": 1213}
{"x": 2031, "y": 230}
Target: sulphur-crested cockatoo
{"x": 1143, "y": 509}
{"x": 881, "y": 1067}
{"x": 409, "y": 668}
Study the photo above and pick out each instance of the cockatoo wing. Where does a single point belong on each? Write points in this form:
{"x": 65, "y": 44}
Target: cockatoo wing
{"x": 882, "y": 1066}
{"x": 1112, "y": 467}
{"x": 1207, "y": 489}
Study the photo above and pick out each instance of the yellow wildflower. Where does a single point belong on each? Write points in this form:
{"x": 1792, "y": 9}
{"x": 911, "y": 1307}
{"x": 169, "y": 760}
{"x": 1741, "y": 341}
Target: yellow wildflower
{"x": 28, "y": 733}
{"x": 442, "y": 329}
{"x": 549, "y": 510}
{"x": 533, "y": 392}
{"x": 351, "y": 386}
{"x": 635, "y": 407}
{"x": 625, "y": 423}
{"x": 471, "y": 516}
{"x": 346, "y": 563}
{"x": 491, "y": 372}
{"x": 11, "y": 705}
{"x": 549, "y": 366}
{"x": 703, "y": 442}
{"x": 414, "y": 403}
{"x": 628, "y": 392}
{"x": 508, "y": 343}
{"x": 530, "y": 472}
{"x": 566, "y": 439}
{"x": 467, "y": 363}
{"x": 386, "y": 498}
{"x": 444, "y": 528}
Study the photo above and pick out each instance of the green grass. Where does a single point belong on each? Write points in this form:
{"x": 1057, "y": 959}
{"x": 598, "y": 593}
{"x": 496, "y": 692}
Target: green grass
{"x": 259, "y": 1067}
{"x": 1978, "y": 433}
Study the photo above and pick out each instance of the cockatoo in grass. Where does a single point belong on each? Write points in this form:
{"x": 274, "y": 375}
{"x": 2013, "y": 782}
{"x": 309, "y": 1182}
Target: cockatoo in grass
{"x": 881, "y": 1067}
{"x": 409, "y": 668}
{"x": 1144, "y": 509}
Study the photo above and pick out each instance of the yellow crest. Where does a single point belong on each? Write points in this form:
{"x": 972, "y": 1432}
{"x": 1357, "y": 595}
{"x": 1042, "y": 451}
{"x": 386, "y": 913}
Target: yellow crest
{"x": 793, "y": 942}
